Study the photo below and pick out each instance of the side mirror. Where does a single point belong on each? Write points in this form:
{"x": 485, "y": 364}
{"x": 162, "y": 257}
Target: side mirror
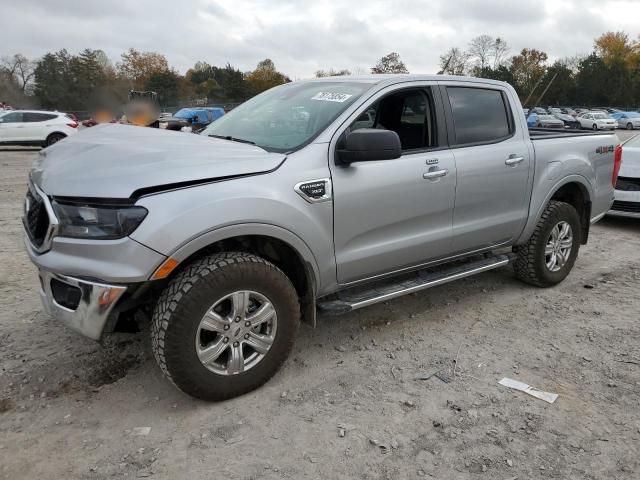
{"x": 367, "y": 144}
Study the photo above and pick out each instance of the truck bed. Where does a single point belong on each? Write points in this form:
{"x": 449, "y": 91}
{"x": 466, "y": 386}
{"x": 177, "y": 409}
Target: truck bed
{"x": 546, "y": 133}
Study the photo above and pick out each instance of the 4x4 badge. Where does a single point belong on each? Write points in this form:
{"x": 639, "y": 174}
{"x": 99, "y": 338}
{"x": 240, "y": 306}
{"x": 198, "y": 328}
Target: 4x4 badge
{"x": 314, "y": 191}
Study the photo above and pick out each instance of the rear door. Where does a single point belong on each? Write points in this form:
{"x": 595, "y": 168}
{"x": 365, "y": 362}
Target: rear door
{"x": 37, "y": 126}
{"x": 493, "y": 165}
{"x": 395, "y": 214}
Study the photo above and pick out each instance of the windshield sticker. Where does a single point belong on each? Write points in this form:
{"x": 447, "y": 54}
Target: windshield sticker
{"x": 331, "y": 97}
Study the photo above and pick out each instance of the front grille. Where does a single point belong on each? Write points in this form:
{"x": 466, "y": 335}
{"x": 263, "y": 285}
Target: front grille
{"x": 628, "y": 184}
{"x": 631, "y": 207}
{"x": 36, "y": 219}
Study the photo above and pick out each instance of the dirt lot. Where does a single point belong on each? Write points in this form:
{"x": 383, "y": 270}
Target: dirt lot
{"x": 348, "y": 403}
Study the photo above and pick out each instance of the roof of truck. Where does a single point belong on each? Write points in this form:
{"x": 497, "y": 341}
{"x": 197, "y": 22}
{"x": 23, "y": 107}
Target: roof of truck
{"x": 401, "y": 78}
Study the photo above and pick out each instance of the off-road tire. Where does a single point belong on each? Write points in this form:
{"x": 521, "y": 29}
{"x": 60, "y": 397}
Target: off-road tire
{"x": 190, "y": 294}
{"x": 530, "y": 265}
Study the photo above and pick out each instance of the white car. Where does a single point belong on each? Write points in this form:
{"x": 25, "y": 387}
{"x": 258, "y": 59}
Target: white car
{"x": 597, "y": 121}
{"x": 627, "y": 193}
{"x": 35, "y": 127}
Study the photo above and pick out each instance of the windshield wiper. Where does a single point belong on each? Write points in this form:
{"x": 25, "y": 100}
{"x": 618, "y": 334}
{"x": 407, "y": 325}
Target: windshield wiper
{"x": 233, "y": 139}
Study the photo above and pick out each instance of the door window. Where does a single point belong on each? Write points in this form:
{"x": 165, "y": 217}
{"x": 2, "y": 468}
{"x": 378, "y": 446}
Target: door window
{"x": 480, "y": 115}
{"x": 14, "y": 117}
{"x": 37, "y": 117}
{"x": 408, "y": 113}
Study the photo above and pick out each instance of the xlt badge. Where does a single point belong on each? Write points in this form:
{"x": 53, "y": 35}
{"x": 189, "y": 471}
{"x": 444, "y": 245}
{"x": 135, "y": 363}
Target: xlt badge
{"x": 314, "y": 191}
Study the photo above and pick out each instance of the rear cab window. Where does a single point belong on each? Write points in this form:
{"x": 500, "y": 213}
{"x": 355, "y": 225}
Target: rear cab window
{"x": 479, "y": 115}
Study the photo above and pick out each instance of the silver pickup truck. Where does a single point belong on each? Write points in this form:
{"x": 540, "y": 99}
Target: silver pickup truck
{"x": 326, "y": 195}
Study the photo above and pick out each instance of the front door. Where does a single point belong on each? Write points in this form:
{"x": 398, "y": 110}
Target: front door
{"x": 392, "y": 214}
{"x": 12, "y": 129}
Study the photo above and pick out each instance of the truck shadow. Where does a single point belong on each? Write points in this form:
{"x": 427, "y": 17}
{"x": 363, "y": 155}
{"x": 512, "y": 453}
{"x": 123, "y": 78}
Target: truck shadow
{"x": 631, "y": 225}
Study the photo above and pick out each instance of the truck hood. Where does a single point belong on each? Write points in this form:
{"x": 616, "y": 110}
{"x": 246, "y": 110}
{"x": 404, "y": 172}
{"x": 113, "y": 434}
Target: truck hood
{"x": 122, "y": 161}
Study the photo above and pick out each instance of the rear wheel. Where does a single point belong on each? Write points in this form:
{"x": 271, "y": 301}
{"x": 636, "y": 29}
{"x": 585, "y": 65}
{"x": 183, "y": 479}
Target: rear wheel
{"x": 548, "y": 257}
{"x": 225, "y": 325}
{"x": 54, "y": 138}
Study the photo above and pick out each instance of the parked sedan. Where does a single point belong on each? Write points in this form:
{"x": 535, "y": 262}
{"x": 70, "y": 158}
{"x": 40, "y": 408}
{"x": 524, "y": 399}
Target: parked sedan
{"x": 567, "y": 120}
{"x": 628, "y": 120}
{"x": 597, "y": 121}
{"x": 34, "y": 127}
{"x": 545, "y": 121}
{"x": 627, "y": 193}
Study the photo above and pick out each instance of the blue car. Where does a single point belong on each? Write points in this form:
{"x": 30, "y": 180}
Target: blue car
{"x": 196, "y": 118}
{"x": 628, "y": 120}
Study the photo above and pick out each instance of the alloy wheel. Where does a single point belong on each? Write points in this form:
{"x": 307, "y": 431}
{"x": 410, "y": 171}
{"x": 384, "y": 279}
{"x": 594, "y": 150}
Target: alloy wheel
{"x": 558, "y": 247}
{"x": 236, "y": 332}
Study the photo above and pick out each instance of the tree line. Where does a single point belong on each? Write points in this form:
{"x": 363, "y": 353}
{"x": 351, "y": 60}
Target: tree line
{"x": 89, "y": 80}
{"x": 610, "y": 75}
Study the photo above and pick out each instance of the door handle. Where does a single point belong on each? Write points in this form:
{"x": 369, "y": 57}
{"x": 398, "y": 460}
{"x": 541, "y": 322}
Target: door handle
{"x": 435, "y": 174}
{"x": 513, "y": 160}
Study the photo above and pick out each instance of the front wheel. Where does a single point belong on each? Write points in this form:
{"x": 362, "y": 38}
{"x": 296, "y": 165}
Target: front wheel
{"x": 548, "y": 257}
{"x": 225, "y": 325}
{"x": 594, "y": 127}
{"x": 629, "y": 126}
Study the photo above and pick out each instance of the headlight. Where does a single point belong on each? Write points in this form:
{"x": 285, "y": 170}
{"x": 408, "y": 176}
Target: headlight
{"x": 98, "y": 222}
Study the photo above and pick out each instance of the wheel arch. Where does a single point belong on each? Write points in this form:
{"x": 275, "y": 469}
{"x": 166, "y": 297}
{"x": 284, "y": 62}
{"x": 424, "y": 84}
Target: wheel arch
{"x": 281, "y": 247}
{"x": 576, "y": 194}
{"x": 573, "y": 189}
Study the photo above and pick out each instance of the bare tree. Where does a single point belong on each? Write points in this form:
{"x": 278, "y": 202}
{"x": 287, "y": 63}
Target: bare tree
{"x": 19, "y": 68}
{"x": 480, "y": 50}
{"x": 499, "y": 51}
{"x": 454, "y": 62}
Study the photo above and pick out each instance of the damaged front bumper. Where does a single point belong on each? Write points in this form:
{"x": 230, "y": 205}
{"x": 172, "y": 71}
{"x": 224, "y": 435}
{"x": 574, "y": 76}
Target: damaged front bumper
{"x": 82, "y": 305}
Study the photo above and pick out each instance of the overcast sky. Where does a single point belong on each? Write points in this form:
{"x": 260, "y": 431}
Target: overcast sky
{"x": 304, "y": 36}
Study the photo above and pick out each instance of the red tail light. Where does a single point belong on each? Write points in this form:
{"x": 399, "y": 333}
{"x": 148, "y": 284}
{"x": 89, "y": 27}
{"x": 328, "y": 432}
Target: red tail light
{"x": 72, "y": 125}
{"x": 617, "y": 163}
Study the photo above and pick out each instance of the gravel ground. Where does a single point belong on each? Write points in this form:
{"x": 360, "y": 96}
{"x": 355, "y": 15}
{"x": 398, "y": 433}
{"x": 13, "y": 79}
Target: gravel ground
{"x": 350, "y": 402}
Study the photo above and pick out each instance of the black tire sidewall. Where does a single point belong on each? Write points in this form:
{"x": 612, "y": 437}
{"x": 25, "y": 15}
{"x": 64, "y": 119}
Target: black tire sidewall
{"x": 562, "y": 212}
{"x": 50, "y": 139}
{"x": 181, "y": 359}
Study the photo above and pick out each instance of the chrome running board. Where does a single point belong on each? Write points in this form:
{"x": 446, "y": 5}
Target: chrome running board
{"x": 381, "y": 291}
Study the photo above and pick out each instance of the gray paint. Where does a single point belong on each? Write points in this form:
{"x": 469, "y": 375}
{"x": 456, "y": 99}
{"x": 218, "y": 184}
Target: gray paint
{"x": 116, "y": 160}
{"x": 387, "y": 216}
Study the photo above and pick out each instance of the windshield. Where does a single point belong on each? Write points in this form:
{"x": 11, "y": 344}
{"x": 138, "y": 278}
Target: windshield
{"x": 600, "y": 116}
{"x": 547, "y": 117}
{"x": 286, "y": 118}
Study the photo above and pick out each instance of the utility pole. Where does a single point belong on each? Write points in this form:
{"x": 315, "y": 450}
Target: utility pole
{"x": 446, "y": 65}
{"x": 545, "y": 90}
{"x": 526, "y": 102}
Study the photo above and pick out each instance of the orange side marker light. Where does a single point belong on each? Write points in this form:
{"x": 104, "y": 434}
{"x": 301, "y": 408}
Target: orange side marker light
{"x": 165, "y": 269}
